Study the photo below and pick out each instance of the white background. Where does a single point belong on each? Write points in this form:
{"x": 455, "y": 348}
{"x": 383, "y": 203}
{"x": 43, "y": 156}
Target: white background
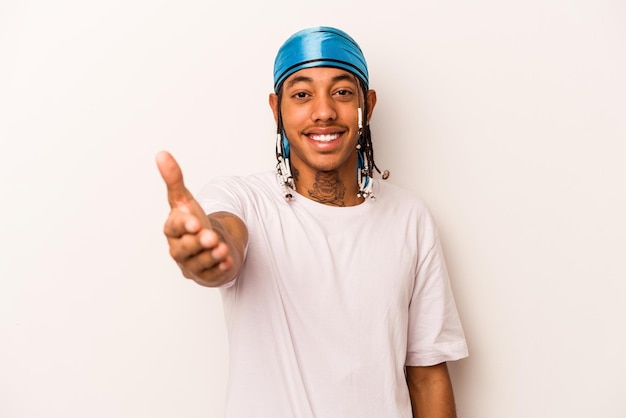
{"x": 508, "y": 118}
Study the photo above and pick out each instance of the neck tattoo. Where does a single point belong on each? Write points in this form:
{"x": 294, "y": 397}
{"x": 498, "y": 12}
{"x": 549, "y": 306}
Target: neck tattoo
{"x": 328, "y": 189}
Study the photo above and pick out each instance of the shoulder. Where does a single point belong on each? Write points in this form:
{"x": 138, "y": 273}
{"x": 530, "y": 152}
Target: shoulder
{"x": 238, "y": 194}
{"x": 401, "y": 203}
{"x": 248, "y": 184}
{"x": 391, "y": 194}
{"x": 264, "y": 177}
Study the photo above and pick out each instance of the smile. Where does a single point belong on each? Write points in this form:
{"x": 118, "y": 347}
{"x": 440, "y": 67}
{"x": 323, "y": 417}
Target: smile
{"x": 324, "y": 138}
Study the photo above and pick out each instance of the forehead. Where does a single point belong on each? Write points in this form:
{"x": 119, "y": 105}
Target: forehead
{"x": 320, "y": 75}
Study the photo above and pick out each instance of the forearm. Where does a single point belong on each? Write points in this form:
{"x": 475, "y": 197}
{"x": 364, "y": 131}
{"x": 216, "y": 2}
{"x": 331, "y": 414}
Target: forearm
{"x": 234, "y": 234}
{"x": 431, "y": 392}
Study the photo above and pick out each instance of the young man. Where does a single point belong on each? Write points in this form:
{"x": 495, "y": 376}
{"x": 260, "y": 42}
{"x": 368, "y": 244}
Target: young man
{"x": 334, "y": 285}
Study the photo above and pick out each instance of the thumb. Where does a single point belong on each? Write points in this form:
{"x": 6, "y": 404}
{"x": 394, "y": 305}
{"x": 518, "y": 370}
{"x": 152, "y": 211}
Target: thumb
{"x": 177, "y": 193}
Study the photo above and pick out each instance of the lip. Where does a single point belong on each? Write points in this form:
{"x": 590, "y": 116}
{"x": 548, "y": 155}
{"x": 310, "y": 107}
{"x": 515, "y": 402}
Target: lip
{"x": 324, "y": 136}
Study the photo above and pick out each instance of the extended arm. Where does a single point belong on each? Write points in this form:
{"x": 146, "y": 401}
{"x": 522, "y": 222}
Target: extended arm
{"x": 209, "y": 249}
{"x": 431, "y": 391}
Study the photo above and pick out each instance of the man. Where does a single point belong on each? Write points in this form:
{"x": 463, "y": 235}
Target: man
{"x": 334, "y": 285}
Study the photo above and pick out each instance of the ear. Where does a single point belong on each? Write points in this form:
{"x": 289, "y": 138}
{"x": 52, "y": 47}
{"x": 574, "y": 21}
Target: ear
{"x": 371, "y": 102}
{"x": 274, "y": 105}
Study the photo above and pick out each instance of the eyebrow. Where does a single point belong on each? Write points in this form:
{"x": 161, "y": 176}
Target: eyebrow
{"x": 299, "y": 79}
{"x": 304, "y": 79}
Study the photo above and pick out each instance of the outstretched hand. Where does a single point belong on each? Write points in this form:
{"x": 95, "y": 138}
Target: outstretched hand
{"x": 194, "y": 245}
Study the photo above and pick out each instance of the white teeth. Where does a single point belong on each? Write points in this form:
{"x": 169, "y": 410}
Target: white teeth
{"x": 324, "y": 138}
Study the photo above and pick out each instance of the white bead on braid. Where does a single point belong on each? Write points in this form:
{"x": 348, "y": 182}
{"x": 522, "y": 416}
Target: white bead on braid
{"x": 283, "y": 169}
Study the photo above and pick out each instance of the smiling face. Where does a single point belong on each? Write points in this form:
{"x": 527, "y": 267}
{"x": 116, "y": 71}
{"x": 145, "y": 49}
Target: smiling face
{"x": 319, "y": 114}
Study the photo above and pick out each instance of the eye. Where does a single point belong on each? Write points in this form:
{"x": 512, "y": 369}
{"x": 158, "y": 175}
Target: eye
{"x": 300, "y": 95}
{"x": 344, "y": 95}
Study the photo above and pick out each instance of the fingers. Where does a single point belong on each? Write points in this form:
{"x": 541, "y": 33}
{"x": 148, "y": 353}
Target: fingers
{"x": 208, "y": 263}
{"x": 201, "y": 257}
{"x": 177, "y": 193}
{"x": 183, "y": 248}
{"x": 181, "y": 222}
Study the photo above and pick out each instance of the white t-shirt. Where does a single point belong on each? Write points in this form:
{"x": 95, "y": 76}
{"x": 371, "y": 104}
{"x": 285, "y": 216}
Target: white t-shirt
{"x": 332, "y": 302}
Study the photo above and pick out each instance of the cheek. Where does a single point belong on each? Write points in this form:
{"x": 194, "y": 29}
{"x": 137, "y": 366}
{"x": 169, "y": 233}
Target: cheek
{"x": 294, "y": 117}
{"x": 350, "y": 113}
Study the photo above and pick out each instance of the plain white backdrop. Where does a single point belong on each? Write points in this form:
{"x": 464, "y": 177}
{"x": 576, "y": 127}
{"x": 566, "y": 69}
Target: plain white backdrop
{"x": 507, "y": 117}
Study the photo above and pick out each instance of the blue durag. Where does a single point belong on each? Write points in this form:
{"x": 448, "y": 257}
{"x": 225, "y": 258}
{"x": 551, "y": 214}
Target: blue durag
{"x": 320, "y": 46}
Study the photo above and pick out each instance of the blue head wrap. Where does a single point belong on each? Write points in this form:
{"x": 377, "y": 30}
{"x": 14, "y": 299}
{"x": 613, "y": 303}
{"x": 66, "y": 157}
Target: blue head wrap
{"x": 320, "y": 46}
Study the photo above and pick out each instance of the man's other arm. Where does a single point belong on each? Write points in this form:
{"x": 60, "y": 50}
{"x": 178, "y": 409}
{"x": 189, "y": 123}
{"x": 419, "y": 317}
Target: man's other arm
{"x": 430, "y": 390}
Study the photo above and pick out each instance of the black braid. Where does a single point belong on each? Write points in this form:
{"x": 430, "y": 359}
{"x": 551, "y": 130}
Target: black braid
{"x": 366, "y": 136}
{"x": 279, "y": 124}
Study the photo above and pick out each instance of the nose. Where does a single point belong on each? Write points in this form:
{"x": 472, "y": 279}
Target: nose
{"x": 323, "y": 109}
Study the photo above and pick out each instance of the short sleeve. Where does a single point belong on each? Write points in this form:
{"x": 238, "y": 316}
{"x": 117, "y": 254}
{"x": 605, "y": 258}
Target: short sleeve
{"x": 435, "y": 332}
{"x": 222, "y": 195}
